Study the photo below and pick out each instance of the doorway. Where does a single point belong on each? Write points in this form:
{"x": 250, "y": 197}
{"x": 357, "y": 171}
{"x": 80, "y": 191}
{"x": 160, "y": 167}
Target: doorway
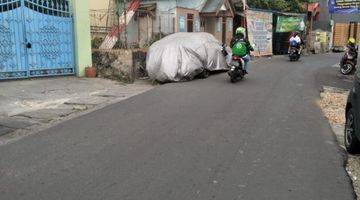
{"x": 190, "y": 23}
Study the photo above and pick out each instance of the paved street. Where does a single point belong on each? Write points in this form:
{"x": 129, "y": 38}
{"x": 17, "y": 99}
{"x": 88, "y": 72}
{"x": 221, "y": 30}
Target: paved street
{"x": 262, "y": 138}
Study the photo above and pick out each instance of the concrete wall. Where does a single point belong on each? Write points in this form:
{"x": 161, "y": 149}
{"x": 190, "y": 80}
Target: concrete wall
{"x": 121, "y": 64}
{"x": 99, "y": 4}
{"x": 114, "y": 64}
{"x": 82, "y": 36}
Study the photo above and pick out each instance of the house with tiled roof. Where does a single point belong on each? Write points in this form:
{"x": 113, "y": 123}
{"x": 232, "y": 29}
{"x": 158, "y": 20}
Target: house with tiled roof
{"x": 212, "y": 16}
{"x": 170, "y": 16}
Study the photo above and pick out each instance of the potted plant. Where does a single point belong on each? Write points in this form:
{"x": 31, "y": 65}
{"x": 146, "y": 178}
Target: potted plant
{"x": 90, "y": 72}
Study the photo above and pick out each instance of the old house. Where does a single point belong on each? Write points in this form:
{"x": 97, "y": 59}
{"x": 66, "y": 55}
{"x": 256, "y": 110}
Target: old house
{"x": 217, "y": 18}
{"x": 212, "y": 16}
{"x": 155, "y": 18}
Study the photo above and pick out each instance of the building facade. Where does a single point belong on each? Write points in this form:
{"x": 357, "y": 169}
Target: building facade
{"x": 156, "y": 18}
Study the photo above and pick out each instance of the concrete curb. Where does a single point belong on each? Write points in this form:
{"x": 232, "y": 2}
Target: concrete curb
{"x": 13, "y": 135}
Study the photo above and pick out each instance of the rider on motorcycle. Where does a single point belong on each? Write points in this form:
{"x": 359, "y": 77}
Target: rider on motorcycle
{"x": 349, "y": 60}
{"x": 295, "y": 41}
{"x": 352, "y": 47}
{"x": 241, "y": 47}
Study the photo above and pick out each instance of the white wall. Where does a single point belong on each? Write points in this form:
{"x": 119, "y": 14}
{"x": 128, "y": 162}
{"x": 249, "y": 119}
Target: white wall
{"x": 133, "y": 28}
{"x": 98, "y": 4}
{"x": 165, "y": 16}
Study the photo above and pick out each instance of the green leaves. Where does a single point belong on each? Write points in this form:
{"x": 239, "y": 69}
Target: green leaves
{"x": 280, "y": 5}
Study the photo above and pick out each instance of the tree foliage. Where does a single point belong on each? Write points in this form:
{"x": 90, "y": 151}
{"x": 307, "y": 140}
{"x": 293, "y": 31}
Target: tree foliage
{"x": 278, "y": 5}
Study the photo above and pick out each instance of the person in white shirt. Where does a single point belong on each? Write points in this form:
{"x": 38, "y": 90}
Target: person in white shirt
{"x": 295, "y": 41}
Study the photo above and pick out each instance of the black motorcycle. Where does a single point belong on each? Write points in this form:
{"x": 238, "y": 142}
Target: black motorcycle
{"x": 348, "y": 62}
{"x": 294, "y": 54}
{"x": 236, "y": 71}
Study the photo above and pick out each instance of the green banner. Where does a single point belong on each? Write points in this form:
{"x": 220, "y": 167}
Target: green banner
{"x": 289, "y": 24}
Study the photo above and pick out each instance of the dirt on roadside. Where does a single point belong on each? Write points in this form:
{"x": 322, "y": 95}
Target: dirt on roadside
{"x": 333, "y": 102}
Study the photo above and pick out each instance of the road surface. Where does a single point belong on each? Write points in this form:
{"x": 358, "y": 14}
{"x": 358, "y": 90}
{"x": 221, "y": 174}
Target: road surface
{"x": 262, "y": 138}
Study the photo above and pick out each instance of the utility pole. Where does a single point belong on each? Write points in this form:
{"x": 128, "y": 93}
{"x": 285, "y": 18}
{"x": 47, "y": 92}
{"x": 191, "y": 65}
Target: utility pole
{"x": 125, "y": 24}
{"x": 307, "y": 28}
{"x": 108, "y": 14}
{"x": 245, "y": 17}
{"x": 118, "y": 21}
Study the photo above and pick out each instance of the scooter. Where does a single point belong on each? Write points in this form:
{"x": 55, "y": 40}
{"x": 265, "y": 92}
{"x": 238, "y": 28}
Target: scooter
{"x": 236, "y": 65}
{"x": 348, "y": 62}
{"x": 237, "y": 71}
{"x": 294, "y": 54}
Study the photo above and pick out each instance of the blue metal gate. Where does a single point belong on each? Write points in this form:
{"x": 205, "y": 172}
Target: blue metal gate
{"x": 36, "y": 38}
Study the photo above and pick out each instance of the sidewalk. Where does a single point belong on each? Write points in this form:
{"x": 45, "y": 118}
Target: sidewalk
{"x": 28, "y": 105}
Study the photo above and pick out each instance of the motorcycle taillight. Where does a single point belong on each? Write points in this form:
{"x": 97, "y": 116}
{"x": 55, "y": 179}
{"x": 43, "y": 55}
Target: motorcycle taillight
{"x": 236, "y": 58}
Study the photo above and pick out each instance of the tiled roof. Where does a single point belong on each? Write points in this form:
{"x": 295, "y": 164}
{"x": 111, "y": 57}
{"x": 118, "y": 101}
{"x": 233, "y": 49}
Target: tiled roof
{"x": 212, "y": 6}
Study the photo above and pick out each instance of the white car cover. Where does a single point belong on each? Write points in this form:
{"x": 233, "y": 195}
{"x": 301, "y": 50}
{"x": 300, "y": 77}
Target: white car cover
{"x": 182, "y": 56}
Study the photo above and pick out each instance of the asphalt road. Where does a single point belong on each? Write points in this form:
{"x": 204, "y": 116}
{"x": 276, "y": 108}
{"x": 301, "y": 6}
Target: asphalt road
{"x": 262, "y": 138}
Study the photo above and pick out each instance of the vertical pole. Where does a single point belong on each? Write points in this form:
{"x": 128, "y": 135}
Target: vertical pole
{"x": 23, "y": 50}
{"x": 108, "y": 14}
{"x": 311, "y": 27}
{"x": 309, "y": 22}
{"x": 174, "y": 25}
{"x": 125, "y": 25}
{"x": 118, "y": 17}
{"x": 160, "y": 26}
{"x": 147, "y": 28}
{"x": 138, "y": 28}
{"x": 245, "y": 18}
{"x": 332, "y": 31}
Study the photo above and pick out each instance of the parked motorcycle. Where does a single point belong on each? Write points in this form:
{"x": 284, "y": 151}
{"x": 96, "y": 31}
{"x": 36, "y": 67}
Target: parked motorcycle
{"x": 294, "y": 54}
{"x": 348, "y": 62}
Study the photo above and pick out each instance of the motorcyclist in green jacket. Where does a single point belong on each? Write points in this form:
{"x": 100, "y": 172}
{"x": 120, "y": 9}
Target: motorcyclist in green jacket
{"x": 241, "y": 47}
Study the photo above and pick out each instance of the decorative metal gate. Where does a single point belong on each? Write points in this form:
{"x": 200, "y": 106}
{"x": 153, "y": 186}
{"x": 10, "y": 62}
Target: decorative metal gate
{"x": 36, "y": 38}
